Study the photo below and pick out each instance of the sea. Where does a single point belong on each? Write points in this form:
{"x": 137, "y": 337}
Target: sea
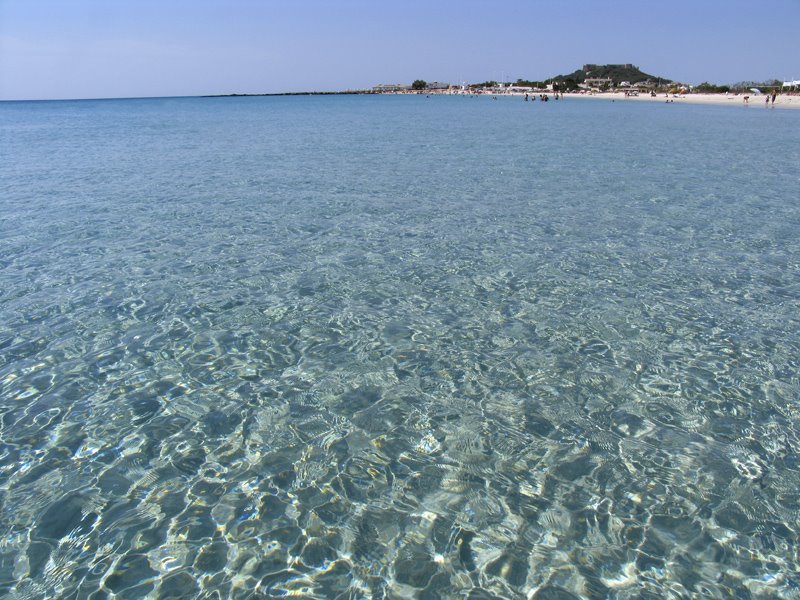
{"x": 399, "y": 347}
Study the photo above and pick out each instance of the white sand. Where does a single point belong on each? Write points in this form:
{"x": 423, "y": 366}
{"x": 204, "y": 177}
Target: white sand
{"x": 755, "y": 100}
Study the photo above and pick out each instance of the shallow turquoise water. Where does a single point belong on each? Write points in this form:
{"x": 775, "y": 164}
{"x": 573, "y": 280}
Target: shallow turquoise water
{"x": 399, "y": 347}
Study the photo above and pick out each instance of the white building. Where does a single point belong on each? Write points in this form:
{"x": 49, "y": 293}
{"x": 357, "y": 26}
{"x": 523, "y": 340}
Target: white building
{"x": 598, "y": 81}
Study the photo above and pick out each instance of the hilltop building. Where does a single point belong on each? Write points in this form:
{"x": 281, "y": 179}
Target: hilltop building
{"x": 591, "y": 67}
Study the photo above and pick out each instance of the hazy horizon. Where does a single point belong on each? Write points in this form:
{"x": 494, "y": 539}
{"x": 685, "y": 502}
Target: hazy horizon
{"x": 95, "y": 49}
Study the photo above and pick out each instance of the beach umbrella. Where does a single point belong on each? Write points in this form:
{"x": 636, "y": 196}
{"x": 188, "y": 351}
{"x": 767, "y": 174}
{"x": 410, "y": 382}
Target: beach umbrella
{"x": 755, "y": 90}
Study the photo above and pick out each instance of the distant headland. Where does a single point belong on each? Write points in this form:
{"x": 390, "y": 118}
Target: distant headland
{"x": 625, "y": 80}
{"x": 590, "y": 78}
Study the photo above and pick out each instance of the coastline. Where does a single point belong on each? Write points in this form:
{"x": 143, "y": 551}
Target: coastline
{"x": 791, "y": 101}
{"x": 755, "y": 101}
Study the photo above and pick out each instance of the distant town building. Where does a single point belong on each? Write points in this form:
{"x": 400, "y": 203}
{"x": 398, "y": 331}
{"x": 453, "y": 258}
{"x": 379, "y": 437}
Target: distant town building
{"x": 598, "y": 81}
{"x": 390, "y": 87}
{"x": 438, "y": 85}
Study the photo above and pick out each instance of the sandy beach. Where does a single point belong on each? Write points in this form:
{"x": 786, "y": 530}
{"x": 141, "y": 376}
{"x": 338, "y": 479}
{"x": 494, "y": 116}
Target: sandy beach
{"x": 754, "y": 101}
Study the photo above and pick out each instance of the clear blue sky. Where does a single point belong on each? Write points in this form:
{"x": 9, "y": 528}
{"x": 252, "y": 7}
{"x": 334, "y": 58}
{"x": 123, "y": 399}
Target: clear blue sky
{"x": 121, "y": 48}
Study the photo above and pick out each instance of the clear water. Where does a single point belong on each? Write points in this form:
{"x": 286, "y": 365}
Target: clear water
{"x": 399, "y": 347}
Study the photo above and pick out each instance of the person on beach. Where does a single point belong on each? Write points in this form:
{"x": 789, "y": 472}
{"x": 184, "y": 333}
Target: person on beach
{"x": 773, "y": 97}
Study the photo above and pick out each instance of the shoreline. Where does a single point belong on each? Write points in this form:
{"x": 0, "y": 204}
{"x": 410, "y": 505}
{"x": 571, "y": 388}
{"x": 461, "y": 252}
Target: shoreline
{"x": 755, "y": 101}
{"x": 791, "y": 101}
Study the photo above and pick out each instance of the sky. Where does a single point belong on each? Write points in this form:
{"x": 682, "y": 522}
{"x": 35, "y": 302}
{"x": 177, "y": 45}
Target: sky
{"x": 130, "y": 48}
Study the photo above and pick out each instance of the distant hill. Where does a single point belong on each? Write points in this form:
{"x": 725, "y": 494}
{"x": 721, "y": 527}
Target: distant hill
{"x": 617, "y": 73}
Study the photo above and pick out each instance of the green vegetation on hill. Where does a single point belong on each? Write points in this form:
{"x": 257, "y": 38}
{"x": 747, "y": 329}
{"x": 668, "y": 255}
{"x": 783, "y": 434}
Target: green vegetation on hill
{"x": 617, "y": 73}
